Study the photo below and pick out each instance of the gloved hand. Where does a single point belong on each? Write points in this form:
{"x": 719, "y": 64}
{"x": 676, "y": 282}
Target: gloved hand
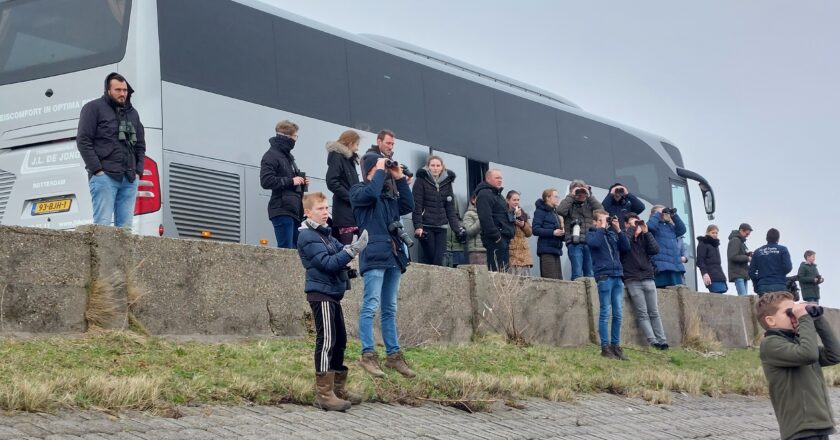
{"x": 461, "y": 235}
{"x": 358, "y": 245}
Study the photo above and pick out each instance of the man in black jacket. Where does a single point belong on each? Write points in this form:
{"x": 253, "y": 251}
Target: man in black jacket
{"x": 495, "y": 219}
{"x": 112, "y": 143}
{"x": 280, "y": 174}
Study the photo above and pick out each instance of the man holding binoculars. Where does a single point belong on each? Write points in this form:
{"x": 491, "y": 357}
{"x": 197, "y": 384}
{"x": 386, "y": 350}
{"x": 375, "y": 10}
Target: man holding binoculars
{"x": 280, "y": 174}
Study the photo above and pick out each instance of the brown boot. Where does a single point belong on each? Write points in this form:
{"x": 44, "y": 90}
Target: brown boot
{"x": 619, "y": 352}
{"x": 397, "y": 362}
{"x": 341, "y": 389}
{"x": 325, "y": 398}
{"x": 370, "y": 363}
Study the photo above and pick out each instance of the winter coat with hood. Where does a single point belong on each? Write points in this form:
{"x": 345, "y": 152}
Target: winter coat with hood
{"x": 606, "y": 247}
{"x": 434, "y": 200}
{"x": 473, "y": 227}
{"x": 738, "y": 256}
{"x": 546, "y": 220}
{"x": 570, "y": 209}
{"x": 636, "y": 261}
{"x": 493, "y": 214}
{"x": 277, "y": 171}
{"x": 708, "y": 258}
{"x": 770, "y": 265}
{"x": 98, "y": 137}
{"x": 323, "y": 258}
{"x": 341, "y": 176}
{"x": 520, "y": 253}
{"x": 666, "y": 235}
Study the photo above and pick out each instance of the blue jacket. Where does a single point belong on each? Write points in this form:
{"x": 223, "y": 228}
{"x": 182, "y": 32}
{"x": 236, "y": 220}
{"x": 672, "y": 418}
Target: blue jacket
{"x": 606, "y": 247}
{"x": 323, "y": 258}
{"x": 770, "y": 265}
{"x": 666, "y": 235}
{"x": 374, "y": 211}
{"x": 628, "y": 203}
{"x": 545, "y": 222}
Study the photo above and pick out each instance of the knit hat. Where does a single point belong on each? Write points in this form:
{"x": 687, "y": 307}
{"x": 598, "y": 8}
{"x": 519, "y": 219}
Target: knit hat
{"x": 368, "y": 162}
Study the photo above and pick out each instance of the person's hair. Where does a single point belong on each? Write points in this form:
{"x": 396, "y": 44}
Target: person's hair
{"x": 630, "y": 216}
{"x": 599, "y": 212}
{"x": 117, "y": 77}
{"x": 286, "y": 127}
{"x": 348, "y": 138}
{"x": 384, "y": 132}
{"x": 577, "y": 183}
{"x": 809, "y": 252}
{"x": 489, "y": 172}
{"x": 547, "y": 193}
{"x": 773, "y": 235}
{"x": 511, "y": 193}
{"x": 311, "y": 198}
{"x": 711, "y": 228}
{"x": 435, "y": 157}
{"x": 768, "y": 305}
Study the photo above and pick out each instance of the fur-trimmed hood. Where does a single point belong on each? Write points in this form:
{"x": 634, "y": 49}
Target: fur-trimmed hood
{"x": 338, "y": 147}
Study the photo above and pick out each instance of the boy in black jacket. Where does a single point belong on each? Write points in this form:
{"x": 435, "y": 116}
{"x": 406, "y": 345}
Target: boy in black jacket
{"x": 325, "y": 260}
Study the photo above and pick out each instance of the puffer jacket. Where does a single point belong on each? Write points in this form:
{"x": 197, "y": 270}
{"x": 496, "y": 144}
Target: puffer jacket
{"x": 606, "y": 247}
{"x": 277, "y": 171}
{"x": 545, "y": 222}
{"x": 496, "y": 220}
{"x": 341, "y": 176}
{"x": 708, "y": 258}
{"x": 520, "y": 253}
{"x": 570, "y": 209}
{"x": 323, "y": 259}
{"x": 434, "y": 200}
{"x": 738, "y": 256}
{"x": 473, "y": 227}
{"x": 666, "y": 235}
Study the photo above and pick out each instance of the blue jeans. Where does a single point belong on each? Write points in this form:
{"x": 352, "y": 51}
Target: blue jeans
{"x": 740, "y": 286}
{"x": 381, "y": 287}
{"x": 718, "y": 287}
{"x": 610, "y": 295}
{"x": 581, "y": 260}
{"x": 113, "y": 200}
{"x": 286, "y": 231}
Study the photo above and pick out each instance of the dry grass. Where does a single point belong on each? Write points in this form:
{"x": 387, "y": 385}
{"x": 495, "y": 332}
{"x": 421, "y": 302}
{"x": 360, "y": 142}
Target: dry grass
{"x": 502, "y": 310}
{"x": 102, "y": 307}
{"x": 697, "y": 336}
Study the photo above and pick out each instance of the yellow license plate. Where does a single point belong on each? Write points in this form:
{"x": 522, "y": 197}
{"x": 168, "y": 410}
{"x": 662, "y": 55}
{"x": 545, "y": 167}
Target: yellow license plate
{"x": 51, "y": 206}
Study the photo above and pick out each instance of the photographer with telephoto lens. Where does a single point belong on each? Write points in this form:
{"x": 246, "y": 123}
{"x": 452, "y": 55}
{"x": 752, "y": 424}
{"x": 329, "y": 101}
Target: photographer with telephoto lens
{"x": 577, "y": 210}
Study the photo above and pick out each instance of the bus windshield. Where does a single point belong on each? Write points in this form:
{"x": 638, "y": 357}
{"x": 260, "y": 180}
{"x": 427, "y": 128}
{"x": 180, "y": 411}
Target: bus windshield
{"x": 41, "y": 38}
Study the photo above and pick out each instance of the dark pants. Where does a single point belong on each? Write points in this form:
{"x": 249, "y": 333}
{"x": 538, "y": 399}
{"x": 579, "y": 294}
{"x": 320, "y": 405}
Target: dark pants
{"x": 761, "y": 290}
{"x": 433, "y": 245}
{"x": 331, "y": 337}
{"x": 285, "y": 231}
{"x": 550, "y": 266}
{"x": 498, "y": 257}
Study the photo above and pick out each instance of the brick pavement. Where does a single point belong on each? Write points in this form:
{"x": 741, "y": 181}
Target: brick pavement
{"x": 591, "y": 417}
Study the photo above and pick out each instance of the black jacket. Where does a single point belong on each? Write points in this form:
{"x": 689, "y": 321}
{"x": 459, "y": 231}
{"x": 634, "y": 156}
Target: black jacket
{"x": 434, "y": 201}
{"x": 98, "y": 137}
{"x": 341, "y": 176}
{"x": 277, "y": 169}
{"x": 636, "y": 262}
{"x": 736, "y": 253}
{"x": 708, "y": 258}
{"x": 493, "y": 214}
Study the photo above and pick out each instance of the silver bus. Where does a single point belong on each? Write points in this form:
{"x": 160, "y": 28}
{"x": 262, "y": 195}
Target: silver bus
{"x": 212, "y": 78}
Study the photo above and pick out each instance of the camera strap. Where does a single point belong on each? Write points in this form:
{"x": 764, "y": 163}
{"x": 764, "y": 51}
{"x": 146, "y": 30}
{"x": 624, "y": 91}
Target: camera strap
{"x": 328, "y": 244}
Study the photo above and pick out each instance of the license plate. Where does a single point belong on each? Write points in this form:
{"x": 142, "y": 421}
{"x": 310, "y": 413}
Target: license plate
{"x": 51, "y": 206}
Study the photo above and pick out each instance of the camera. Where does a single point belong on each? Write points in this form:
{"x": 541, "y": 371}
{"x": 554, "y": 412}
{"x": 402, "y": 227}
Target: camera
{"x": 422, "y": 235}
{"x": 396, "y": 228}
{"x": 302, "y": 188}
{"x": 346, "y": 274}
{"x": 461, "y": 235}
{"x": 576, "y": 224}
{"x": 669, "y": 211}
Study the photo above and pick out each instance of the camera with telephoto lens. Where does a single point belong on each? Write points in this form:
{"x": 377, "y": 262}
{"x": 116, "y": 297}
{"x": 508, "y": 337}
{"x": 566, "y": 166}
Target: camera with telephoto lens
{"x": 396, "y": 228}
{"x": 576, "y": 225}
{"x": 346, "y": 274}
{"x": 670, "y": 211}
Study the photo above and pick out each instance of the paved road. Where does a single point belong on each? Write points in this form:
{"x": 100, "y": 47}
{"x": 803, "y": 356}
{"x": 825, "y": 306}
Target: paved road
{"x": 593, "y": 417}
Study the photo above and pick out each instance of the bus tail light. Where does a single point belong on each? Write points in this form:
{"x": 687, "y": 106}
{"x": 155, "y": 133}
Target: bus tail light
{"x": 148, "y": 189}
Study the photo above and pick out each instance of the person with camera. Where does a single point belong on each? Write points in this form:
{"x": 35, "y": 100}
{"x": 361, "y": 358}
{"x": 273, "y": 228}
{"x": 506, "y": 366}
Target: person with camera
{"x": 809, "y": 278}
{"x": 342, "y": 159}
{"x": 548, "y": 227}
{"x": 607, "y": 242}
{"x": 327, "y": 278}
{"x": 619, "y": 202}
{"x": 434, "y": 209}
{"x": 519, "y": 253}
{"x": 377, "y": 204}
{"x": 792, "y": 360}
{"x": 639, "y": 276}
{"x": 577, "y": 210}
{"x": 280, "y": 174}
{"x": 496, "y": 220}
{"x": 709, "y": 262}
{"x": 770, "y": 265}
{"x": 667, "y": 226}
{"x": 738, "y": 257}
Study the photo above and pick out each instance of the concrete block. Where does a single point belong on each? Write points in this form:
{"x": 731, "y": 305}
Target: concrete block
{"x": 729, "y": 317}
{"x": 43, "y": 280}
{"x": 669, "y": 313}
{"x": 111, "y": 261}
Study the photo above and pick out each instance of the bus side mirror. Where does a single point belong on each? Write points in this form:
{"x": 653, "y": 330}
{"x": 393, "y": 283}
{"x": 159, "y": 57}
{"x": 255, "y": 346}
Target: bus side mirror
{"x": 708, "y": 200}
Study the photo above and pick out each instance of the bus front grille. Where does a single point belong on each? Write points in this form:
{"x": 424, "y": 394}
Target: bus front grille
{"x": 7, "y": 181}
{"x": 205, "y": 200}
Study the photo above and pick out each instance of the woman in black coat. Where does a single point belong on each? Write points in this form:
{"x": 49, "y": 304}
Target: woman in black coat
{"x": 708, "y": 261}
{"x": 341, "y": 176}
{"x": 434, "y": 210}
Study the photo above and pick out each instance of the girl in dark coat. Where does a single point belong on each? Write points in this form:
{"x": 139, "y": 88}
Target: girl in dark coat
{"x": 341, "y": 176}
{"x": 548, "y": 227}
{"x": 434, "y": 210}
{"x": 708, "y": 261}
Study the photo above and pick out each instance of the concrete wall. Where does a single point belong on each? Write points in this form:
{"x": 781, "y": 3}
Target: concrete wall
{"x": 192, "y": 287}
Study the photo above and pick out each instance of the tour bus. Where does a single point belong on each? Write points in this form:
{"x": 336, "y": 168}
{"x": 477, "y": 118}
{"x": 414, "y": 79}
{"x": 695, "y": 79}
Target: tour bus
{"x": 213, "y": 77}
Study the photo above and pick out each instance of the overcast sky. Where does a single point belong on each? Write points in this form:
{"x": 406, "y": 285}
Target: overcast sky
{"x": 747, "y": 90}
